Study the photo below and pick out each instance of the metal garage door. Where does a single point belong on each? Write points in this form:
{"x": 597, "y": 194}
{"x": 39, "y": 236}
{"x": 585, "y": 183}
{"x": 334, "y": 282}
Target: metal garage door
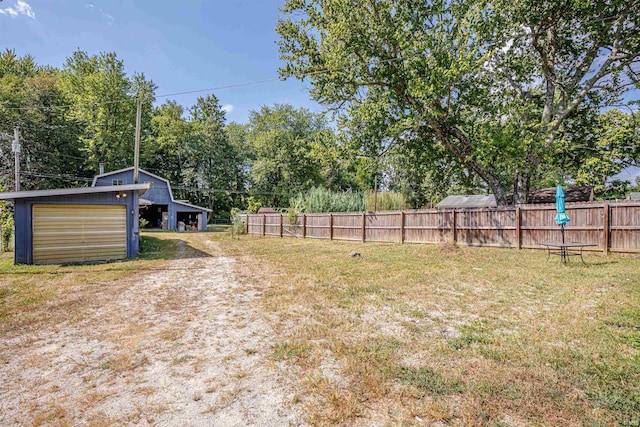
{"x": 74, "y": 233}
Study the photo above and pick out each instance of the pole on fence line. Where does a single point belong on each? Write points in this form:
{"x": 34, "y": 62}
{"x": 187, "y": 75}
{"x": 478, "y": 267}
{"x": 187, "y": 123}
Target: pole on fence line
{"x": 330, "y": 226}
{"x": 264, "y": 225}
{"x": 304, "y": 226}
{"x": 606, "y": 232}
{"x": 402, "y": 223}
{"x": 518, "y": 228}
{"x": 364, "y": 226}
{"x": 246, "y": 224}
{"x": 453, "y": 227}
{"x": 281, "y": 224}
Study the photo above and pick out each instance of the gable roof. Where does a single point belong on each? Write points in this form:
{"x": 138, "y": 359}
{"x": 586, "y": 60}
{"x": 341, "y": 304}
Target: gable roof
{"x": 130, "y": 168}
{"x": 141, "y": 188}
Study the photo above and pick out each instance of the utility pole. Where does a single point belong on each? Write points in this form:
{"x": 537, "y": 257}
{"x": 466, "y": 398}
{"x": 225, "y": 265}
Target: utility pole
{"x": 16, "y": 151}
{"x": 136, "y": 156}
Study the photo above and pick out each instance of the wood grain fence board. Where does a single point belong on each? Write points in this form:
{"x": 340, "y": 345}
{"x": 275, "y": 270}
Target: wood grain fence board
{"x": 502, "y": 227}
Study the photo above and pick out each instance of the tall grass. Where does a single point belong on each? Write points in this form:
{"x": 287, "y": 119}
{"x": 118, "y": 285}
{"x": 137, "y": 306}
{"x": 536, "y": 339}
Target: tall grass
{"x": 322, "y": 200}
{"x": 386, "y": 201}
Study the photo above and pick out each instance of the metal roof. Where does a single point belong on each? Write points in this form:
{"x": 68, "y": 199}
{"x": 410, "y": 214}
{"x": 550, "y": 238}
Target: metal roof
{"x": 130, "y": 168}
{"x": 471, "y": 201}
{"x": 141, "y": 188}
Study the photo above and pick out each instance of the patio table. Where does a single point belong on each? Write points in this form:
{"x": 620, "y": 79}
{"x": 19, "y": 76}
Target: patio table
{"x": 566, "y": 250}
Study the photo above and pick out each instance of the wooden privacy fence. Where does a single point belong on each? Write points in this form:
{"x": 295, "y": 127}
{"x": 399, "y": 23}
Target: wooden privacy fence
{"x": 612, "y": 226}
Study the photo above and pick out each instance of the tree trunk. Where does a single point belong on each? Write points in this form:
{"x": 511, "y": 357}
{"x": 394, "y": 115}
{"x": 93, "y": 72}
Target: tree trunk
{"x": 521, "y": 187}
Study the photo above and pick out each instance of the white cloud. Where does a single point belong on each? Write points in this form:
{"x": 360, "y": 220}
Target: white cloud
{"x": 108, "y": 17}
{"x": 227, "y": 108}
{"x": 103, "y": 14}
{"x": 20, "y": 8}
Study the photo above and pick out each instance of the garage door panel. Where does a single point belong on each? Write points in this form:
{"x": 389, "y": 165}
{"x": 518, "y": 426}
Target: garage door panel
{"x": 76, "y": 233}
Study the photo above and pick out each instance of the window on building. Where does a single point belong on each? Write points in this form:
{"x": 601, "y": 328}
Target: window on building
{"x": 116, "y": 182}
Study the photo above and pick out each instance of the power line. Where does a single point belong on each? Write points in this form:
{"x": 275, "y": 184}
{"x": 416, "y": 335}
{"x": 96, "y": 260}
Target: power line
{"x": 71, "y": 178}
{"x": 250, "y": 83}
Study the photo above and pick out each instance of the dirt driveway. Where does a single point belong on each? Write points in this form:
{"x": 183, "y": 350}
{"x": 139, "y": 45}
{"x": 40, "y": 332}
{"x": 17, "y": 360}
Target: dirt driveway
{"x": 182, "y": 345}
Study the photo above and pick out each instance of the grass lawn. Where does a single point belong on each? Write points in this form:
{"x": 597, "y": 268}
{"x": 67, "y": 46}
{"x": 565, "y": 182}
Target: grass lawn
{"x": 409, "y": 334}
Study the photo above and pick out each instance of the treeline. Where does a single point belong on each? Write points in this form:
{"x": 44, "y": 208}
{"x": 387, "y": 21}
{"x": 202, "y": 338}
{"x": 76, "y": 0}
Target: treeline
{"x": 75, "y": 117}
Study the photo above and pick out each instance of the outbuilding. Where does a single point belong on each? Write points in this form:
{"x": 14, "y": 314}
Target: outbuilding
{"x": 68, "y": 225}
{"x": 158, "y": 207}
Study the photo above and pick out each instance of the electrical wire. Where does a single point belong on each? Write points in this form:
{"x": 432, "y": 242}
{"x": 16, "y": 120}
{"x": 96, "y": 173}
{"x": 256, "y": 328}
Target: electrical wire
{"x": 71, "y": 178}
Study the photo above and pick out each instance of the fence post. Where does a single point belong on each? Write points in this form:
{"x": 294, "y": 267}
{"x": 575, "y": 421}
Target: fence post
{"x": 304, "y": 225}
{"x": 518, "y": 228}
{"x": 364, "y": 226}
{"x": 281, "y": 224}
{"x": 264, "y": 225}
{"x": 330, "y": 226}
{"x": 453, "y": 227}
{"x": 606, "y": 236}
{"x": 246, "y": 224}
{"x": 402, "y": 222}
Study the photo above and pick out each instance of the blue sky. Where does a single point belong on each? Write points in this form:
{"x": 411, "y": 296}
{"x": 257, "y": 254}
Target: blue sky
{"x": 181, "y": 46}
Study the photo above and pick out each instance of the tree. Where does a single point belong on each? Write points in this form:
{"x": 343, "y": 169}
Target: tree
{"x": 281, "y": 140}
{"x": 212, "y": 162}
{"x": 31, "y": 98}
{"x": 600, "y": 148}
{"x": 492, "y": 83}
{"x": 104, "y": 100}
{"x": 166, "y": 151}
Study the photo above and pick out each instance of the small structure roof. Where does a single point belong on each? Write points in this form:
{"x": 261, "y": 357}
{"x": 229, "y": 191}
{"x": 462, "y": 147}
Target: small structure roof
{"x": 140, "y": 188}
{"x": 470, "y": 201}
{"x": 572, "y": 194}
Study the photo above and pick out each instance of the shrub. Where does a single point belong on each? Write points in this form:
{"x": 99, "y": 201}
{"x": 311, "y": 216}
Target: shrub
{"x": 386, "y": 201}
{"x": 322, "y": 200}
{"x": 6, "y": 226}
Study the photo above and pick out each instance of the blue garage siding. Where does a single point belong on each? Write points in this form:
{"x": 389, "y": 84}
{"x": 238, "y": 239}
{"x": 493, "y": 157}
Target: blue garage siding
{"x": 158, "y": 194}
{"x": 24, "y": 220}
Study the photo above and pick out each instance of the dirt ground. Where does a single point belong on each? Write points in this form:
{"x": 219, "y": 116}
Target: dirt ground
{"x": 182, "y": 345}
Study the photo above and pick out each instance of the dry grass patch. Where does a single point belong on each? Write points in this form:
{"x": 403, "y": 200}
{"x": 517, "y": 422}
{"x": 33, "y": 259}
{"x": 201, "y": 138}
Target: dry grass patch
{"x": 32, "y": 295}
{"x": 466, "y": 336}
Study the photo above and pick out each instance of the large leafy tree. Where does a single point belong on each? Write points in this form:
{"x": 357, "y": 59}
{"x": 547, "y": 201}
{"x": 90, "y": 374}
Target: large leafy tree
{"x": 213, "y": 163}
{"x": 165, "y": 153}
{"x": 31, "y": 98}
{"x": 104, "y": 100}
{"x": 494, "y": 83}
{"x": 282, "y": 139}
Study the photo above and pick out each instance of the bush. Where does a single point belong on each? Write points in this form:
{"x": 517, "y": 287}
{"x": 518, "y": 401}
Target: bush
{"x": 6, "y": 226}
{"x": 237, "y": 224}
{"x": 386, "y": 201}
{"x": 321, "y": 200}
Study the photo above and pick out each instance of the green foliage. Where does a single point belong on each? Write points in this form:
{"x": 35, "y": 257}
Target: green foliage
{"x": 50, "y": 138}
{"x": 253, "y": 205}
{"x": 323, "y": 200}
{"x": 6, "y": 226}
{"x": 281, "y": 140}
{"x": 142, "y": 223}
{"x": 491, "y": 85}
{"x": 386, "y": 201}
{"x": 237, "y": 224}
{"x": 108, "y": 127}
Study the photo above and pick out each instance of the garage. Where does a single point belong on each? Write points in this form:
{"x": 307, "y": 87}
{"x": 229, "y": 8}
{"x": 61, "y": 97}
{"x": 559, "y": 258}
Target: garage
{"x": 72, "y": 225}
{"x": 76, "y": 233}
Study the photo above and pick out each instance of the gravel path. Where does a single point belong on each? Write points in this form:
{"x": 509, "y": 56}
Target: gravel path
{"x": 184, "y": 345}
